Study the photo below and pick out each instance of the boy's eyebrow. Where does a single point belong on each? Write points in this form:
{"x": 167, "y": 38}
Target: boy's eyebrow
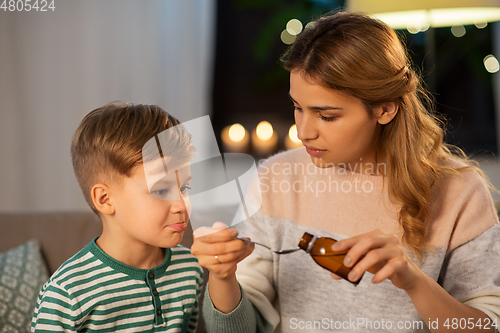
{"x": 169, "y": 180}
{"x": 318, "y": 108}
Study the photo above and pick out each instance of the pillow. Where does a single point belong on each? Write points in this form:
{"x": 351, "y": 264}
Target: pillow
{"x": 22, "y": 274}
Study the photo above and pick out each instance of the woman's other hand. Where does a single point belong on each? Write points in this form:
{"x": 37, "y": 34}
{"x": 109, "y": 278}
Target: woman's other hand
{"x": 382, "y": 255}
{"x": 218, "y": 250}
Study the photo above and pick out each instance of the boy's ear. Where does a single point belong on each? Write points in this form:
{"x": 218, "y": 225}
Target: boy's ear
{"x": 386, "y": 112}
{"x": 101, "y": 199}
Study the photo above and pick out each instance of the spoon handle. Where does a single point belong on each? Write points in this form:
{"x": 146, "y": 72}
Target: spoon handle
{"x": 250, "y": 241}
{"x": 267, "y": 247}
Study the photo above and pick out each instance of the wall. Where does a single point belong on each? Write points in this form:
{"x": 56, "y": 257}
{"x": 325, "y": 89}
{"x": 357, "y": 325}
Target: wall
{"x": 56, "y": 66}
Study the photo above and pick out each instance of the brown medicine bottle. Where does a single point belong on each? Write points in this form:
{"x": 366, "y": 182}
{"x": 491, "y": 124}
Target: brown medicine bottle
{"x": 320, "y": 249}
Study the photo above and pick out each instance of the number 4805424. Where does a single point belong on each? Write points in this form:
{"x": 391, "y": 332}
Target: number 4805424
{"x": 27, "y": 5}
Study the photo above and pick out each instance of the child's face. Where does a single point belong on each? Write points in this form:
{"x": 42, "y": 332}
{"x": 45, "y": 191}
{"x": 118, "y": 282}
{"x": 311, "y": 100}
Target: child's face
{"x": 156, "y": 217}
{"x": 334, "y": 123}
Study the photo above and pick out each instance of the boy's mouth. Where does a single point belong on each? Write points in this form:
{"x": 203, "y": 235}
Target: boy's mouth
{"x": 180, "y": 226}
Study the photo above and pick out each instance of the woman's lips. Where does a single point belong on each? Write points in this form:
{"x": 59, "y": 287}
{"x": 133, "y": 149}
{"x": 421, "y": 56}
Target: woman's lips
{"x": 181, "y": 226}
{"x": 315, "y": 152}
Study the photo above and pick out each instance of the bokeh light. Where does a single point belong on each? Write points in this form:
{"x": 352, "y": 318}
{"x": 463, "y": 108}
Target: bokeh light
{"x": 458, "y": 30}
{"x": 310, "y": 24}
{"x": 491, "y": 63}
{"x": 481, "y": 25}
{"x": 236, "y": 132}
{"x": 294, "y": 27}
{"x": 292, "y": 133}
{"x": 264, "y": 130}
{"x": 287, "y": 38}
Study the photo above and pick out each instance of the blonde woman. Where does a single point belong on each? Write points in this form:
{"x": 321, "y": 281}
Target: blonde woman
{"x": 419, "y": 222}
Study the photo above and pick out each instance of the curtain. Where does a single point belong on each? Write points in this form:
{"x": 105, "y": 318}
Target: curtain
{"x": 57, "y": 66}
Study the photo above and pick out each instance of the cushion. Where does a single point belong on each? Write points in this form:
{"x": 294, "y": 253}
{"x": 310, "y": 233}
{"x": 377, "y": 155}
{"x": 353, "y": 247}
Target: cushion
{"x": 22, "y": 274}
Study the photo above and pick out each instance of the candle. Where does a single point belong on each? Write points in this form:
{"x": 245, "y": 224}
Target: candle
{"x": 235, "y": 138}
{"x": 264, "y": 139}
{"x": 292, "y": 141}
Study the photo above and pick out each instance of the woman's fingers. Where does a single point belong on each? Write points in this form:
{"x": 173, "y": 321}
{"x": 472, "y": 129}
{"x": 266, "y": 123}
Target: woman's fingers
{"x": 363, "y": 244}
{"x": 348, "y": 243}
{"x": 335, "y": 276}
{"x": 224, "y": 265}
{"x": 237, "y": 255}
{"x": 225, "y": 259}
{"x": 373, "y": 261}
{"x": 218, "y": 250}
{"x": 391, "y": 268}
{"x": 218, "y": 233}
{"x": 380, "y": 254}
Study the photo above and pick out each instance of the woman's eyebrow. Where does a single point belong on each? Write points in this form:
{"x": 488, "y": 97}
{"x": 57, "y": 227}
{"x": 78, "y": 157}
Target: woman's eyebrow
{"x": 325, "y": 108}
{"x": 318, "y": 108}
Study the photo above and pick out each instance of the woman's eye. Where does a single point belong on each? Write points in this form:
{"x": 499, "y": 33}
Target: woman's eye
{"x": 327, "y": 118}
{"x": 296, "y": 108}
{"x": 185, "y": 188}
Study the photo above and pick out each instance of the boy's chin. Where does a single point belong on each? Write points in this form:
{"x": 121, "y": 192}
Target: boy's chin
{"x": 174, "y": 239}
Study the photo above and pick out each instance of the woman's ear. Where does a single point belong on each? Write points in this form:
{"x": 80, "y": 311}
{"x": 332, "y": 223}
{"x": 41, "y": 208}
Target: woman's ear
{"x": 101, "y": 199}
{"x": 386, "y": 112}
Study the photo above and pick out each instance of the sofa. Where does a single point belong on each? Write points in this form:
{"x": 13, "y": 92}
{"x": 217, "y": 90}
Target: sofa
{"x": 34, "y": 245}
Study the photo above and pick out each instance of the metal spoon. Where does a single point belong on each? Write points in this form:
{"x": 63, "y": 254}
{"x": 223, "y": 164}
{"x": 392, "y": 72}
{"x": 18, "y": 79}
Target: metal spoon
{"x": 267, "y": 247}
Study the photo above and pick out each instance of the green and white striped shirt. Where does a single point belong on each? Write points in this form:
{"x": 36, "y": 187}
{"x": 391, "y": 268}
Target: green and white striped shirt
{"x": 92, "y": 292}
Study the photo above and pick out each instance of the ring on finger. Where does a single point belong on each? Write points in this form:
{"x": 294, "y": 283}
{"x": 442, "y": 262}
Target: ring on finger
{"x": 217, "y": 259}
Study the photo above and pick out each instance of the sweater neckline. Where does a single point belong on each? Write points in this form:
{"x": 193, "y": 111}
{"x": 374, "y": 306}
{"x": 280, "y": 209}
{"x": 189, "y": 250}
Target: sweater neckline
{"x": 344, "y": 174}
{"x": 139, "y": 273}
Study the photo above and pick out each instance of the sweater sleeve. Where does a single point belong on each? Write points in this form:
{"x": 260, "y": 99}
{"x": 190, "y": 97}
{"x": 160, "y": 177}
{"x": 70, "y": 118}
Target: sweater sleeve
{"x": 245, "y": 318}
{"x": 471, "y": 275}
{"x": 255, "y": 273}
{"x": 54, "y": 311}
{"x": 470, "y": 270}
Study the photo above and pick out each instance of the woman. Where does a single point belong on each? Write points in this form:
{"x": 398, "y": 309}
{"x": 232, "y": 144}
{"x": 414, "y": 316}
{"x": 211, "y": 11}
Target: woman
{"x": 419, "y": 222}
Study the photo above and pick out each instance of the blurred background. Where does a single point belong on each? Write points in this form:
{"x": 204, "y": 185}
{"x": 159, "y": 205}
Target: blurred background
{"x": 208, "y": 57}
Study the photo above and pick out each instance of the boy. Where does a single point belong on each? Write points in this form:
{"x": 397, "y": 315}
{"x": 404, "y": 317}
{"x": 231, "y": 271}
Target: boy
{"x": 134, "y": 277}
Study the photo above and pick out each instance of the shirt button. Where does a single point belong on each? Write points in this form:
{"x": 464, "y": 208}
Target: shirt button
{"x": 155, "y": 292}
{"x": 158, "y": 312}
{"x": 151, "y": 276}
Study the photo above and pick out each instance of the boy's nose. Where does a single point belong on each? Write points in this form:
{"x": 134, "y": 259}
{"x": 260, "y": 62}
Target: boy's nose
{"x": 178, "y": 206}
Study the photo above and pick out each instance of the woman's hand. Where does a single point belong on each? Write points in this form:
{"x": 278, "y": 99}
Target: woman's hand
{"x": 218, "y": 250}
{"x": 380, "y": 254}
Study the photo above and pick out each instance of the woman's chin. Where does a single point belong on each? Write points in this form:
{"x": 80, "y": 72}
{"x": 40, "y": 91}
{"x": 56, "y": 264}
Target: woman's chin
{"x": 321, "y": 162}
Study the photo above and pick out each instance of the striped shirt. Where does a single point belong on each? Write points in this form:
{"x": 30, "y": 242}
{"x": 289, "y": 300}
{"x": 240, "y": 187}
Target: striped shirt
{"x": 92, "y": 292}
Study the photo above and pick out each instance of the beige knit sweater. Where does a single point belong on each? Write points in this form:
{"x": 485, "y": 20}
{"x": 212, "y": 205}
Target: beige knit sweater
{"x": 291, "y": 293}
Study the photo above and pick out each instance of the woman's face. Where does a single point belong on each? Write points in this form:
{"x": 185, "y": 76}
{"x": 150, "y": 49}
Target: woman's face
{"x": 334, "y": 127}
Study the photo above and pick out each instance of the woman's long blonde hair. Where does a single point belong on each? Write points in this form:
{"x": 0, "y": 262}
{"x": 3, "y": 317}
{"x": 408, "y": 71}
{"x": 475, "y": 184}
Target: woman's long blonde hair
{"x": 364, "y": 58}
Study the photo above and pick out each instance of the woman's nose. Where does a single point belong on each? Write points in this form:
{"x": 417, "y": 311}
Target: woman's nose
{"x": 306, "y": 128}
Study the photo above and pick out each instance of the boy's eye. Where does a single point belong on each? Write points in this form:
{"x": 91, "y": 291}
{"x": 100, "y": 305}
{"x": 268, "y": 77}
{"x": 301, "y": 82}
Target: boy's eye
{"x": 161, "y": 192}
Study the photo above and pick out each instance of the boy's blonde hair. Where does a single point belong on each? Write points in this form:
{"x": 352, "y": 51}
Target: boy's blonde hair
{"x": 109, "y": 142}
